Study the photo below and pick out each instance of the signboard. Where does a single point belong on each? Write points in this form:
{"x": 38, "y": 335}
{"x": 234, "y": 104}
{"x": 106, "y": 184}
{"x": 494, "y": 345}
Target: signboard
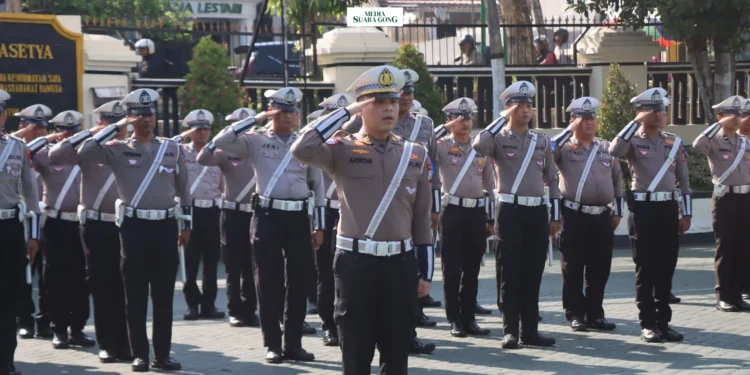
{"x": 41, "y": 62}
{"x": 374, "y": 17}
{"x": 213, "y": 9}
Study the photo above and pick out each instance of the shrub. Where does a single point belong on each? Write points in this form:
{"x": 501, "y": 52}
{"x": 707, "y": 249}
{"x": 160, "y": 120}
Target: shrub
{"x": 425, "y": 90}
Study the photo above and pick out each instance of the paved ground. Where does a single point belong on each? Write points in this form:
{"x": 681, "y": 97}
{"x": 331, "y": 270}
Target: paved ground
{"x": 716, "y": 343}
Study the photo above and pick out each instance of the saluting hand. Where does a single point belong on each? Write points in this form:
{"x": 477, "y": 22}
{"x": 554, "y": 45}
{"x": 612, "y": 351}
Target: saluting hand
{"x": 684, "y": 225}
{"x": 642, "y": 116}
{"x": 453, "y": 122}
{"x": 54, "y": 137}
{"x": 263, "y": 116}
{"x": 32, "y": 248}
{"x": 187, "y": 133}
{"x": 356, "y": 107}
{"x": 127, "y": 121}
{"x": 508, "y": 111}
{"x": 184, "y": 238}
{"x": 730, "y": 120}
{"x": 574, "y": 125}
{"x": 96, "y": 129}
{"x": 317, "y": 239}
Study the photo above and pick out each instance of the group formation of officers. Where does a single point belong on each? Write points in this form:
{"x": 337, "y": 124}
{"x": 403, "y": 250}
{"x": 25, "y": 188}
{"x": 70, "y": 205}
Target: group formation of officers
{"x": 354, "y": 199}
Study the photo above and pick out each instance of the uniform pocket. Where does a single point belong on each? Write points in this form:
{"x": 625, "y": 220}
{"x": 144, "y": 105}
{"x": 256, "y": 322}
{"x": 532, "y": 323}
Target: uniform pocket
{"x": 269, "y": 153}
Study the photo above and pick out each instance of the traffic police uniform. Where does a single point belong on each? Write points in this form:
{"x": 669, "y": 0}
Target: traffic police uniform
{"x": 206, "y": 186}
{"x": 149, "y": 176}
{"x": 591, "y": 188}
{"x": 381, "y": 223}
{"x": 280, "y": 228}
{"x": 653, "y": 224}
{"x": 746, "y": 278}
{"x": 729, "y": 158}
{"x": 18, "y": 221}
{"x": 467, "y": 209}
{"x": 236, "y": 214}
{"x": 64, "y": 258}
{"x": 524, "y": 164}
{"x": 101, "y": 239}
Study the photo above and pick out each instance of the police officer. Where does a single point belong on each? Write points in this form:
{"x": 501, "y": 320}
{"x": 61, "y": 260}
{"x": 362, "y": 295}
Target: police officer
{"x": 64, "y": 259}
{"x": 591, "y": 185}
{"x": 729, "y": 158}
{"x": 280, "y": 228}
{"x": 524, "y": 165}
{"x": 150, "y": 173}
{"x": 101, "y": 241}
{"x": 465, "y": 220}
{"x": 19, "y": 234}
{"x": 236, "y": 213}
{"x": 384, "y": 194}
{"x": 744, "y": 129}
{"x": 657, "y": 162}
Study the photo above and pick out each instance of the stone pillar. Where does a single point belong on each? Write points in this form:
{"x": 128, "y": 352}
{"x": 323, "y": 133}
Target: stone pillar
{"x": 345, "y": 53}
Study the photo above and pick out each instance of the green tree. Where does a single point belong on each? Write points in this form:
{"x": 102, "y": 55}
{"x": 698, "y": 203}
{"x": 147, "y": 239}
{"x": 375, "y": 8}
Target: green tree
{"x": 616, "y": 110}
{"x": 119, "y": 9}
{"x": 302, "y": 13}
{"x": 424, "y": 90}
{"x": 208, "y": 85}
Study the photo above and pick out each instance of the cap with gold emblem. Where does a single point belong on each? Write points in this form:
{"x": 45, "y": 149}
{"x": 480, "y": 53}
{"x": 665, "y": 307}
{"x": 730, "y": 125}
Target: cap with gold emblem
{"x": 4, "y": 96}
{"x": 519, "y": 92}
{"x": 584, "y": 107}
{"x": 198, "y": 118}
{"x": 731, "y": 106}
{"x": 381, "y": 82}
{"x": 240, "y": 114}
{"x": 69, "y": 121}
{"x": 141, "y": 102}
{"x": 337, "y": 101}
{"x": 37, "y": 114}
{"x": 464, "y": 107}
{"x": 654, "y": 99}
{"x": 286, "y": 99}
{"x": 111, "y": 111}
{"x": 410, "y": 77}
{"x": 315, "y": 115}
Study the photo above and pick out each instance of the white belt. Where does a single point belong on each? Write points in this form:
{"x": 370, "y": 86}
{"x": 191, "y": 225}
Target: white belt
{"x": 375, "y": 248}
{"x": 740, "y": 189}
{"x": 466, "y": 202}
{"x": 330, "y": 203}
{"x": 8, "y": 214}
{"x": 658, "y": 196}
{"x": 244, "y": 207}
{"x": 101, "y": 216}
{"x": 148, "y": 214}
{"x": 591, "y": 210}
{"x": 206, "y": 203}
{"x": 280, "y": 204}
{"x": 67, "y": 216}
{"x": 523, "y": 201}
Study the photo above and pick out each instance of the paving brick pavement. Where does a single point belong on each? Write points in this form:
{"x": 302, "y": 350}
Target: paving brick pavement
{"x": 716, "y": 343}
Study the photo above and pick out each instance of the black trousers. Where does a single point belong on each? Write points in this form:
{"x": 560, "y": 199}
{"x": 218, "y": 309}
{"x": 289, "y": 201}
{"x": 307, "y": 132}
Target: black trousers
{"x": 65, "y": 275}
{"x": 463, "y": 239}
{"x": 281, "y": 246}
{"x": 101, "y": 243}
{"x": 238, "y": 261}
{"x": 375, "y": 297}
{"x": 204, "y": 245}
{"x": 652, "y": 227}
{"x": 12, "y": 278}
{"x": 26, "y": 308}
{"x": 731, "y": 213}
{"x": 324, "y": 265}
{"x": 586, "y": 245}
{"x": 520, "y": 252}
{"x": 149, "y": 259}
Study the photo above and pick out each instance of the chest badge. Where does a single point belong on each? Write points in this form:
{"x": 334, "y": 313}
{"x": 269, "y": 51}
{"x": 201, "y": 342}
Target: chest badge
{"x": 132, "y": 161}
{"x": 607, "y": 164}
{"x": 454, "y": 149}
{"x": 540, "y": 163}
{"x": 643, "y": 152}
{"x": 573, "y": 146}
{"x": 235, "y": 163}
{"x": 725, "y": 156}
{"x": 166, "y": 169}
{"x": 411, "y": 190}
{"x": 302, "y": 165}
{"x": 59, "y": 169}
{"x": 510, "y": 154}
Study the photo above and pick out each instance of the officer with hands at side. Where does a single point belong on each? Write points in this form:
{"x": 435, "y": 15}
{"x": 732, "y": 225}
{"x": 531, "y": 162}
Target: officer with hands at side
{"x": 744, "y": 129}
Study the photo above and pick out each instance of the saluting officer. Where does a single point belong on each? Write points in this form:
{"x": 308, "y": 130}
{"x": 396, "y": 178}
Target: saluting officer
{"x": 383, "y": 184}
{"x": 729, "y": 158}
{"x": 280, "y": 228}
{"x": 657, "y": 162}
{"x": 19, "y": 234}
{"x": 64, "y": 259}
{"x": 236, "y": 213}
{"x": 101, "y": 240}
{"x": 466, "y": 219}
{"x": 150, "y": 173}
{"x": 744, "y": 129}
{"x": 591, "y": 188}
{"x": 524, "y": 165}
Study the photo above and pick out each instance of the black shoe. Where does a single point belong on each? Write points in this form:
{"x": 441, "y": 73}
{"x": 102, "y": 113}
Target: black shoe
{"x": 537, "y": 340}
{"x": 457, "y": 330}
{"x": 673, "y": 299}
{"x": 602, "y": 324}
{"x": 726, "y": 306}
{"x": 577, "y": 325}
{"x": 428, "y": 301}
{"x": 167, "y": 364}
{"x": 313, "y": 309}
{"x": 474, "y": 329}
{"x": 509, "y": 342}
{"x": 26, "y": 332}
{"x": 424, "y": 321}
{"x": 140, "y": 365}
{"x": 106, "y": 356}
{"x": 124, "y": 355}
{"x": 211, "y": 313}
{"x": 60, "y": 341}
{"x": 236, "y": 322}
{"x": 307, "y": 330}
{"x": 650, "y": 335}
{"x": 479, "y": 310}
{"x": 78, "y": 338}
{"x": 192, "y": 314}
{"x": 670, "y": 335}
{"x": 330, "y": 338}
{"x": 43, "y": 331}
{"x": 298, "y": 354}
{"x": 742, "y": 305}
{"x": 273, "y": 356}
{"x": 418, "y": 347}
{"x": 252, "y": 320}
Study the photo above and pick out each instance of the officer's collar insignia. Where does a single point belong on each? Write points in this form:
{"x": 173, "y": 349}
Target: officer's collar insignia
{"x": 386, "y": 78}
{"x": 656, "y": 96}
{"x": 342, "y": 102}
{"x": 117, "y": 110}
{"x": 39, "y": 113}
{"x": 464, "y": 105}
{"x": 69, "y": 119}
{"x": 144, "y": 98}
{"x": 524, "y": 89}
{"x": 736, "y": 103}
{"x": 289, "y": 97}
{"x": 366, "y": 139}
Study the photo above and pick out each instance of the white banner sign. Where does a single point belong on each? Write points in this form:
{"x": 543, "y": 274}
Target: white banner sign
{"x": 217, "y": 9}
{"x": 375, "y": 17}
